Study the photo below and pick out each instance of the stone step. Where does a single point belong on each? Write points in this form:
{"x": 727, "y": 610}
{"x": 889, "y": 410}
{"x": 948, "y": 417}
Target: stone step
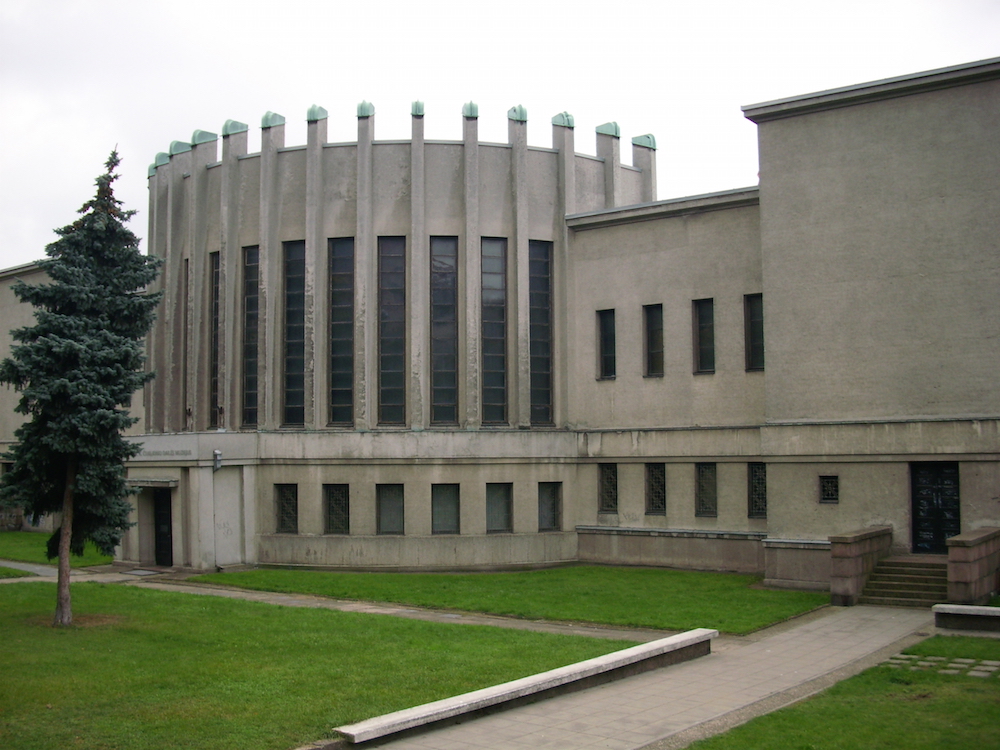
{"x": 923, "y": 594}
{"x": 894, "y": 602}
{"x": 882, "y": 577}
{"x": 890, "y": 586}
{"x": 938, "y": 571}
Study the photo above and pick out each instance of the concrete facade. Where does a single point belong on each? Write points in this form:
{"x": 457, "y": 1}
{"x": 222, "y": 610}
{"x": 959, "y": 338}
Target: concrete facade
{"x": 870, "y": 247}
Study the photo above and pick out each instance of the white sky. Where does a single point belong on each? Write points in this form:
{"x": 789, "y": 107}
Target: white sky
{"x": 78, "y": 77}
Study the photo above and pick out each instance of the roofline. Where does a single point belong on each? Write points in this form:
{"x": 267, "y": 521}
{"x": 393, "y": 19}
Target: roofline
{"x": 6, "y": 273}
{"x": 695, "y": 204}
{"x": 887, "y": 88}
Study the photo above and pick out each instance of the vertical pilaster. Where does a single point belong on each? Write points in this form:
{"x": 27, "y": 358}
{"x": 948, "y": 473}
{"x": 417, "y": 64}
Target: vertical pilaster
{"x": 270, "y": 362}
{"x": 178, "y": 249}
{"x": 234, "y": 145}
{"x": 609, "y": 149}
{"x": 157, "y": 342}
{"x": 520, "y": 393}
{"x": 470, "y": 271}
{"x": 563, "y": 140}
{"x": 418, "y": 294}
{"x": 366, "y": 281}
{"x": 644, "y": 158}
{"x": 316, "y": 343}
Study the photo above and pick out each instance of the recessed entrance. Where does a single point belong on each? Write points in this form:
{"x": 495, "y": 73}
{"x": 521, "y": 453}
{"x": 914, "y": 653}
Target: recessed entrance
{"x": 163, "y": 528}
{"x": 935, "y": 505}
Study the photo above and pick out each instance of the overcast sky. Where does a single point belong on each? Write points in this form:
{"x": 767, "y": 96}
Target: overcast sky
{"x": 79, "y": 77}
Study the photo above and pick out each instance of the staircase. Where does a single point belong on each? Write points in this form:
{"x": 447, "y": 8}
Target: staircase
{"x": 907, "y": 582}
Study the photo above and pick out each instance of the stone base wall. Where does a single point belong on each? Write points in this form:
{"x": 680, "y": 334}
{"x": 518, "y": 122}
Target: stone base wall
{"x": 738, "y": 552}
{"x": 974, "y": 566}
{"x": 797, "y": 564}
{"x": 852, "y": 559}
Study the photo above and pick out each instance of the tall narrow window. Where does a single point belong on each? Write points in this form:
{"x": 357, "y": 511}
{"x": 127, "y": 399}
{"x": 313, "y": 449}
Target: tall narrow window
{"x": 287, "y": 500}
{"x": 392, "y": 330}
{"x": 756, "y": 490}
{"x": 342, "y": 331}
{"x": 494, "y": 300}
{"x": 389, "y": 508}
{"x": 540, "y": 329}
{"x": 499, "y": 508}
{"x": 704, "y": 335}
{"x": 213, "y": 395}
{"x": 656, "y": 489}
{"x": 607, "y": 488}
{"x": 606, "y": 343}
{"x": 337, "y": 508}
{"x": 444, "y": 330}
{"x": 706, "y": 498}
{"x": 753, "y": 321}
{"x": 549, "y": 506}
{"x": 444, "y": 509}
{"x": 295, "y": 333}
{"x": 251, "y": 298}
{"x": 652, "y": 316}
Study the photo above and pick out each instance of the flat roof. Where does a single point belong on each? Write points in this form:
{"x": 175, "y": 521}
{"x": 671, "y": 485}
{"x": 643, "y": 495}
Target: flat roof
{"x": 695, "y": 204}
{"x": 887, "y": 88}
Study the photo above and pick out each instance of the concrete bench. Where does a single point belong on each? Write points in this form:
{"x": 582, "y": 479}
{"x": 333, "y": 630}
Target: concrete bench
{"x": 966, "y": 617}
{"x": 646, "y": 656}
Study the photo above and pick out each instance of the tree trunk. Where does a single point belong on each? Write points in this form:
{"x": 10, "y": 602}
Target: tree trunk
{"x": 64, "y": 610}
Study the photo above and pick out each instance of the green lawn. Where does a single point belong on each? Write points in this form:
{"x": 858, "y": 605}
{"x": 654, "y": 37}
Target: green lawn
{"x": 145, "y": 669}
{"x": 29, "y": 546}
{"x": 637, "y": 597}
{"x": 13, "y": 573}
{"x": 885, "y": 708}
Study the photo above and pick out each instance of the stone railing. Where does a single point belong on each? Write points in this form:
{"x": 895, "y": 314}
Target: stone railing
{"x": 853, "y": 556}
{"x": 974, "y": 566}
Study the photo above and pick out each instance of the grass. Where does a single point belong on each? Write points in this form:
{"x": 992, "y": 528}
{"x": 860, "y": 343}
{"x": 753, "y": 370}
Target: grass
{"x": 145, "y": 669}
{"x": 29, "y": 547}
{"x": 886, "y": 708}
{"x": 634, "y": 597}
{"x": 13, "y": 573}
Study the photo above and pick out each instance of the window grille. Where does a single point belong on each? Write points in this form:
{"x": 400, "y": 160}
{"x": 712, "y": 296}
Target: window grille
{"x": 656, "y": 489}
{"x": 494, "y": 332}
{"x": 549, "y": 506}
{"x": 540, "y": 329}
{"x": 444, "y": 509}
{"x": 341, "y": 331}
{"x": 213, "y": 398}
{"x": 392, "y": 330}
{"x": 444, "y": 330}
{"x": 251, "y": 298}
{"x": 753, "y": 316}
{"x": 499, "y": 516}
{"x": 288, "y": 508}
{"x": 704, "y": 335}
{"x": 607, "y": 490}
{"x": 295, "y": 333}
{"x": 389, "y": 508}
{"x": 829, "y": 489}
{"x": 337, "y": 499}
{"x": 606, "y": 343}
{"x": 756, "y": 490}
{"x": 653, "y": 320}
{"x": 706, "y": 499}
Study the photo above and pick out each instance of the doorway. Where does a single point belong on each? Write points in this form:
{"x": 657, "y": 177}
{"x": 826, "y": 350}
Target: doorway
{"x": 163, "y": 534}
{"x": 935, "y": 506}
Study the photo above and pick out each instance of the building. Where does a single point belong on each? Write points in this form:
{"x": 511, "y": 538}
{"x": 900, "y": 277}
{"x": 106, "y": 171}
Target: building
{"x": 426, "y": 355}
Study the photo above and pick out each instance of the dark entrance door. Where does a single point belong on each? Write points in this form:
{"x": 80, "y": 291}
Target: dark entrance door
{"x": 935, "y": 506}
{"x": 164, "y": 535}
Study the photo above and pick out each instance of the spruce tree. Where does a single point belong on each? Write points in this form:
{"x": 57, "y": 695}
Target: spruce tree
{"x": 76, "y": 369}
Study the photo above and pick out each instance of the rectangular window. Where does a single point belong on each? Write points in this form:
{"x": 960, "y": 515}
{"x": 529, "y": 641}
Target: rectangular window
{"x": 656, "y": 489}
{"x": 251, "y": 298}
{"x": 337, "y": 506}
{"x": 494, "y": 301}
{"x": 756, "y": 490}
{"x": 549, "y": 506}
{"x": 295, "y": 333}
{"x": 389, "y": 508}
{"x": 607, "y": 488}
{"x": 392, "y": 330}
{"x": 444, "y": 330}
{"x": 213, "y": 366}
{"x": 606, "y": 343}
{"x": 444, "y": 509}
{"x": 499, "y": 508}
{"x": 829, "y": 490}
{"x": 540, "y": 329}
{"x": 287, "y": 500}
{"x": 341, "y": 252}
{"x": 652, "y": 316}
{"x": 704, "y": 335}
{"x": 753, "y": 321}
{"x": 706, "y": 499}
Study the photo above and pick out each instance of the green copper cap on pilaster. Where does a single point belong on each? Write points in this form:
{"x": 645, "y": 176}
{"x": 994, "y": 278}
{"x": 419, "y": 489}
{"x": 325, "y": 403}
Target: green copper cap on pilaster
{"x": 517, "y": 113}
{"x": 609, "y": 128}
{"x": 161, "y": 159}
{"x": 470, "y": 110}
{"x": 232, "y": 127}
{"x": 417, "y": 109}
{"x": 565, "y": 119}
{"x": 202, "y": 136}
{"x": 270, "y": 119}
{"x": 645, "y": 140}
{"x": 179, "y": 147}
{"x": 151, "y": 172}
{"x": 366, "y": 109}
{"x": 316, "y": 113}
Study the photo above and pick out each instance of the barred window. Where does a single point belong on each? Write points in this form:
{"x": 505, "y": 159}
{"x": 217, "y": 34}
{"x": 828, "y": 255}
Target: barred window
{"x": 656, "y": 489}
{"x": 287, "y": 500}
{"x": 389, "y": 508}
{"x": 295, "y": 333}
{"x": 251, "y": 309}
{"x": 392, "y": 331}
{"x": 753, "y": 321}
{"x": 704, "y": 335}
{"x": 653, "y": 340}
{"x": 444, "y": 509}
{"x": 499, "y": 508}
{"x": 706, "y": 498}
{"x": 756, "y": 490}
{"x": 494, "y": 330}
{"x": 214, "y": 408}
{"x": 829, "y": 489}
{"x": 341, "y": 252}
{"x": 607, "y": 488}
{"x": 540, "y": 329}
{"x": 606, "y": 344}
{"x": 444, "y": 330}
{"x": 337, "y": 502}
{"x": 549, "y": 506}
